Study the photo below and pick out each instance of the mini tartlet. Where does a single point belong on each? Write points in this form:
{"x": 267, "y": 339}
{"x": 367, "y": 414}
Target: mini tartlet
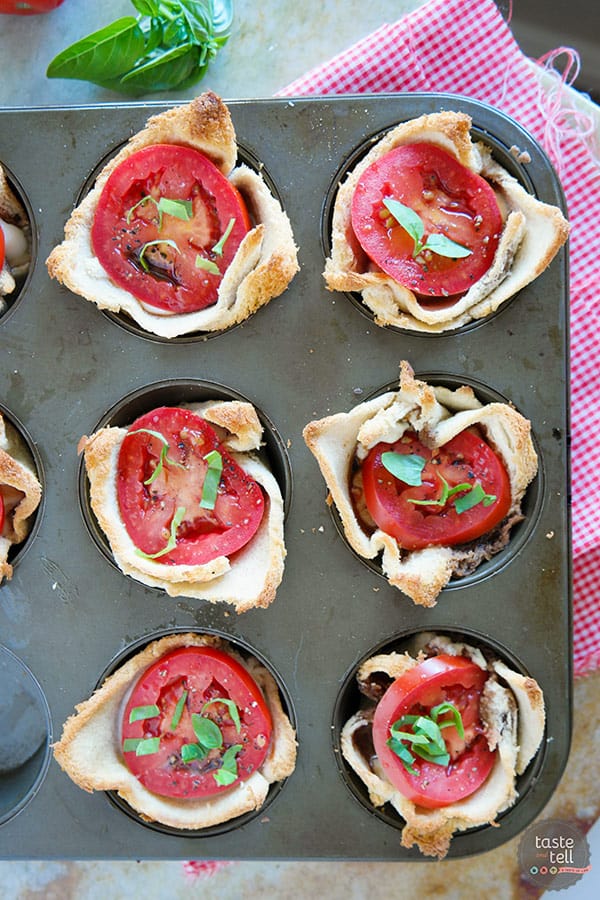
{"x": 264, "y": 262}
{"x": 503, "y": 718}
{"x": 428, "y": 420}
{"x": 245, "y": 576}
{"x": 530, "y": 234}
{"x": 20, "y": 492}
{"x": 15, "y": 242}
{"x": 92, "y": 749}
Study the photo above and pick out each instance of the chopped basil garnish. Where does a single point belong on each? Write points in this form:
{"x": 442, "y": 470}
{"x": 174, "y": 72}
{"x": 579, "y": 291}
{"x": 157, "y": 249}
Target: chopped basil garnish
{"x": 228, "y": 772}
{"x": 175, "y": 523}
{"x": 218, "y": 248}
{"x": 143, "y": 712}
{"x": 163, "y": 458}
{"x": 142, "y": 256}
{"x": 181, "y": 209}
{"x": 412, "y": 223}
{"x": 447, "y": 492}
{"x": 207, "y": 264}
{"x": 190, "y": 752}
{"x": 233, "y": 710}
{"x": 407, "y": 467}
{"x": 476, "y": 495}
{"x": 211, "y": 479}
{"x": 142, "y": 746}
{"x": 145, "y": 199}
{"x": 425, "y": 739}
{"x": 178, "y": 711}
{"x": 208, "y": 733}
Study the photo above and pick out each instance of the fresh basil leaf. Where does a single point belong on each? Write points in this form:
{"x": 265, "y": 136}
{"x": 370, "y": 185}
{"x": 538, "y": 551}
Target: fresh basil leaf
{"x": 133, "y": 208}
{"x": 199, "y": 19}
{"x": 444, "y": 246}
{"x": 153, "y": 33}
{"x": 218, "y": 248}
{"x": 163, "y": 458}
{"x": 190, "y": 752}
{"x": 408, "y": 219}
{"x": 162, "y": 72}
{"x": 176, "y": 33}
{"x": 142, "y": 254}
{"x": 130, "y": 745}
{"x": 146, "y": 746}
{"x": 440, "y": 710}
{"x": 103, "y": 54}
{"x": 175, "y": 523}
{"x": 440, "y": 759}
{"x": 407, "y": 467}
{"x": 212, "y": 479}
{"x": 143, "y": 712}
{"x": 228, "y": 772}
{"x": 224, "y": 777}
{"x": 178, "y": 711}
{"x": 403, "y": 754}
{"x": 475, "y": 496}
{"x": 232, "y": 708}
{"x": 208, "y": 733}
{"x": 207, "y": 264}
{"x": 181, "y": 209}
{"x": 147, "y": 7}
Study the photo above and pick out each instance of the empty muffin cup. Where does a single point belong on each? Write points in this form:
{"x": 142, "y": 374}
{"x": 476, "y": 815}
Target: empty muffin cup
{"x": 25, "y": 735}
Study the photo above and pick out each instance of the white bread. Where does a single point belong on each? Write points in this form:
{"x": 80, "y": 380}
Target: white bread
{"x": 532, "y": 235}
{"x": 513, "y": 716}
{"x": 262, "y": 268}
{"x": 13, "y": 212}
{"x": 252, "y": 576}
{"x": 437, "y": 415}
{"x": 89, "y": 750}
{"x": 21, "y": 491}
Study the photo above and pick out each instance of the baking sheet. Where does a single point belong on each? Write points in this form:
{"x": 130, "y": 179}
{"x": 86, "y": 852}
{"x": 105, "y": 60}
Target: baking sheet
{"x": 67, "y": 612}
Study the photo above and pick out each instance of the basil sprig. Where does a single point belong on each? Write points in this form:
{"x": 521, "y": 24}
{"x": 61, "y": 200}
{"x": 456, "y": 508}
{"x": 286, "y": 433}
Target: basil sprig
{"x": 170, "y": 44}
{"x": 412, "y": 223}
{"x": 231, "y": 707}
{"x": 141, "y": 746}
{"x": 425, "y": 739}
{"x": 181, "y": 209}
{"x": 171, "y": 543}
{"x": 178, "y": 710}
{"x": 228, "y": 772}
{"x": 164, "y": 453}
{"x": 212, "y": 479}
{"x": 408, "y": 467}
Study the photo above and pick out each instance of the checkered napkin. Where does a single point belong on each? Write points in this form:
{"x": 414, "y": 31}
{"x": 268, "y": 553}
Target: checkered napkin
{"x": 465, "y": 47}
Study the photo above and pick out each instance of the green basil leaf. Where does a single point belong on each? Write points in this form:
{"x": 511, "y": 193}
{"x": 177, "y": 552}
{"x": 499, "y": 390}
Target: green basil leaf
{"x": 403, "y": 754}
{"x": 440, "y": 759}
{"x": 147, "y": 7}
{"x": 133, "y": 208}
{"x": 176, "y": 33}
{"x": 444, "y": 246}
{"x": 207, "y": 264}
{"x": 212, "y": 479}
{"x": 408, "y": 219}
{"x": 192, "y": 751}
{"x": 426, "y": 726}
{"x": 218, "y": 248}
{"x": 475, "y": 496}
{"x": 142, "y": 254}
{"x": 208, "y": 733}
{"x": 165, "y": 70}
{"x": 142, "y": 746}
{"x": 153, "y": 34}
{"x": 103, "y": 54}
{"x": 175, "y": 523}
{"x": 163, "y": 458}
{"x": 232, "y": 708}
{"x": 199, "y": 19}
{"x": 440, "y": 710}
{"x": 178, "y": 711}
{"x": 143, "y": 712}
{"x": 224, "y": 777}
{"x": 407, "y": 467}
{"x": 181, "y": 209}
{"x": 130, "y": 745}
{"x": 228, "y": 772}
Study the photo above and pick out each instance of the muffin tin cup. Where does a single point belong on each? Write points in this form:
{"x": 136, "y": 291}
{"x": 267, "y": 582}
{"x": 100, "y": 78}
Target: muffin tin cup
{"x": 13, "y": 299}
{"x": 26, "y": 735}
{"x": 531, "y": 504}
{"x": 349, "y": 701}
{"x": 245, "y": 651}
{"x": 305, "y": 355}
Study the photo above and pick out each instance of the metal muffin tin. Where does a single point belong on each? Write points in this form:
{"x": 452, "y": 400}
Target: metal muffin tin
{"x": 68, "y": 612}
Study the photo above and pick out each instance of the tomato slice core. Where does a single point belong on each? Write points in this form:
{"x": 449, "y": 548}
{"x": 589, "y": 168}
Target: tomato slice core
{"x": 450, "y": 200}
{"x": 153, "y": 253}
{"x": 148, "y": 509}
{"x": 439, "y": 679}
{"x": 205, "y": 673}
{"x": 466, "y": 459}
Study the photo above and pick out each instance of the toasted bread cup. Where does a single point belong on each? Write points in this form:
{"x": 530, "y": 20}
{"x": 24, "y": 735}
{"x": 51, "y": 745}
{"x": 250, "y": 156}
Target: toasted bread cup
{"x": 262, "y": 268}
{"x": 13, "y": 213}
{"x": 20, "y": 489}
{"x": 533, "y": 232}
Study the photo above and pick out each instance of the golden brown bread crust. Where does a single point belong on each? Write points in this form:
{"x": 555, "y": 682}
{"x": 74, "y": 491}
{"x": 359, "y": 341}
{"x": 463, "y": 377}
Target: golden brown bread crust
{"x": 533, "y": 233}
{"x": 251, "y": 577}
{"x": 262, "y": 268}
{"x": 437, "y": 415}
{"x": 512, "y": 719}
{"x": 17, "y": 477}
{"x": 12, "y": 211}
{"x": 89, "y": 748}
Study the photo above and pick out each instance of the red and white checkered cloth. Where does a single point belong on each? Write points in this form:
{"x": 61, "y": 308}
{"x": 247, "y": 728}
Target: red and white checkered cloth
{"x": 465, "y": 47}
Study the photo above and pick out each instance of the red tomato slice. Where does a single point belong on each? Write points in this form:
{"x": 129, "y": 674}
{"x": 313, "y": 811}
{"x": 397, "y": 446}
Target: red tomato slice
{"x": 449, "y": 198}
{"x": 466, "y": 459}
{"x": 440, "y": 679}
{"x": 148, "y": 509}
{"x": 165, "y": 275}
{"x": 205, "y": 673}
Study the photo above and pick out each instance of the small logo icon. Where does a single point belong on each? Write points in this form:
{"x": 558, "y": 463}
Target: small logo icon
{"x": 553, "y": 854}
